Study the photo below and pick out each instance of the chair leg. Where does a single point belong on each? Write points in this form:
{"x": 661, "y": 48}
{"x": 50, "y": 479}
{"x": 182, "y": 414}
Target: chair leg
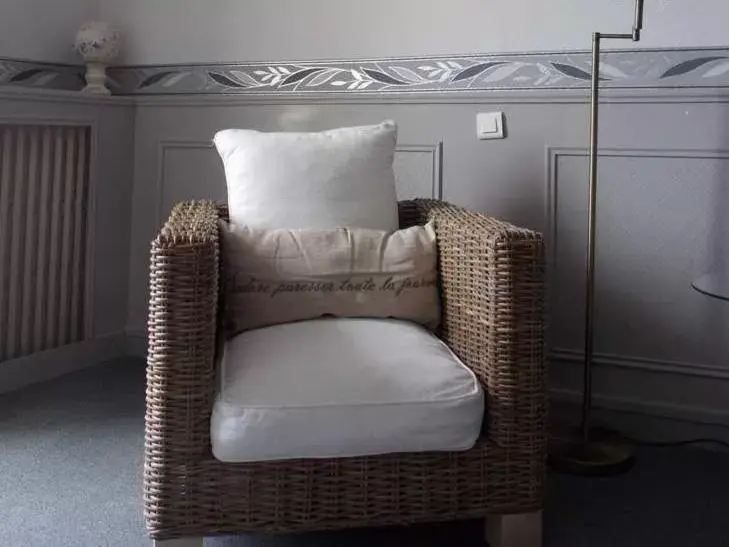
{"x": 523, "y": 530}
{"x": 182, "y": 542}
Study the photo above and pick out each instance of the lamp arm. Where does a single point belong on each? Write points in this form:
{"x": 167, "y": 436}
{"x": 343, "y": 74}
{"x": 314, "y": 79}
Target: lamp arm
{"x": 638, "y": 24}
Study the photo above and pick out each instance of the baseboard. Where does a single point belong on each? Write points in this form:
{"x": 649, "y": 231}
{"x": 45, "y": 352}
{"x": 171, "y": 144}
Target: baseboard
{"x": 644, "y": 398}
{"x": 654, "y": 409}
{"x": 137, "y": 344}
{"x": 46, "y": 365}
{"x": 640, "y": 363}
{"x": 647, "y": 423}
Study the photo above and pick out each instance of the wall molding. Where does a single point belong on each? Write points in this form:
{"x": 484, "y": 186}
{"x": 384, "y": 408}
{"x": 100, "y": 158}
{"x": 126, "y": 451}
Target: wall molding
{"x": 641, "y": 363}
{"x": 47, "y": 365}
{"x": 665, "y": 411}
{"x": 554, "y": 153}
{"x": 499, "y": 97}
{"x": 557, "y": 70}
{"x": 436, "y": 151}
{"x": 136, "y": 344}
{"x": 670, "y": 409}
{"x": 50, "y": 95}
{"x": 685, "y": 95}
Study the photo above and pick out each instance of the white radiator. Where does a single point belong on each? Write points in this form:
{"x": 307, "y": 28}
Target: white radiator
{"x": 44, "y": 174}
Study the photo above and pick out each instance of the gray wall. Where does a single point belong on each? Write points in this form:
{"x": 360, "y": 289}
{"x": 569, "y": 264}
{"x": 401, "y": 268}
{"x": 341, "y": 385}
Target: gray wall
{"x": 661, "y": 345}
{"x": 42, "y": 30}
{"x": 185, "y": 31}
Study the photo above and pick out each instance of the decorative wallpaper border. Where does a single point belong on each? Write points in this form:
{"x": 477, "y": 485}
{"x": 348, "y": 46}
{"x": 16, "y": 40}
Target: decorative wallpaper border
{"x": 624, "y": 69}
{"x": 18, "y": 73}
{"x": 620, "y": 69}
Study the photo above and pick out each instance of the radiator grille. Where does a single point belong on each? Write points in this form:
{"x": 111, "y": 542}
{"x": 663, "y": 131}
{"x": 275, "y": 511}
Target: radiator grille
{"x": 44, "y": 174}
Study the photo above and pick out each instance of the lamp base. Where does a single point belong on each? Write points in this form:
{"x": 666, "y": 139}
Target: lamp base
{"x": 605, "y": 454}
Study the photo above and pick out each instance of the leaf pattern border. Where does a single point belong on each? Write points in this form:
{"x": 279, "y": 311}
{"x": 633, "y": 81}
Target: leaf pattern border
{"x": 674, "y": 68}
{"x": 38, "y": 75}
{"x": 620, "y": 69}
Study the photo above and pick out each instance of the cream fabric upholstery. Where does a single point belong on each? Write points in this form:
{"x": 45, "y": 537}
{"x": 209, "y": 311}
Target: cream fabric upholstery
{"x": 279, "y": 276}
{"x": 332, "y": 179}
{"x": 342, "y": 387}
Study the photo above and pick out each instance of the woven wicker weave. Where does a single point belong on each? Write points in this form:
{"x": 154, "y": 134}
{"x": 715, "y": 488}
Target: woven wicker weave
{"x": 492, "y": 277}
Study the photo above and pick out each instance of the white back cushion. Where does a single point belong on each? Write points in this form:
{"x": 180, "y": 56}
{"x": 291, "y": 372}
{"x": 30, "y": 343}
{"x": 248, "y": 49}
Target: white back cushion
{"x": 332, "y": 179}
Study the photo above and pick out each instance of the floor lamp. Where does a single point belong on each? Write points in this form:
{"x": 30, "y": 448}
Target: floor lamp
{"x": 595, "y": 452}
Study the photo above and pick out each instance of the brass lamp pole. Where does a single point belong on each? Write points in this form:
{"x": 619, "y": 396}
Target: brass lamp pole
{"x": 595, "y": 453}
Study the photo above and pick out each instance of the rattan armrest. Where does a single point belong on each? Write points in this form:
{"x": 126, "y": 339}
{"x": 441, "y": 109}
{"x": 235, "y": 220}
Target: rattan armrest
{"x": 182, "y": 335}
{"x": 492, "y": 277}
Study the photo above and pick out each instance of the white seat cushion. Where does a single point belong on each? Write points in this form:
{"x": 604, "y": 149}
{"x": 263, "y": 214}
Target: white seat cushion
{"x": 339, "y": 388}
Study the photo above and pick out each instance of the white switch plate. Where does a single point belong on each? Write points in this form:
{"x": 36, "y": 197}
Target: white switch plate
{"x": 490, "y": 125}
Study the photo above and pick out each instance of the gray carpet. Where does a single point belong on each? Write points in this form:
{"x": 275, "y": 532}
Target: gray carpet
{"x": 70, "y": 459}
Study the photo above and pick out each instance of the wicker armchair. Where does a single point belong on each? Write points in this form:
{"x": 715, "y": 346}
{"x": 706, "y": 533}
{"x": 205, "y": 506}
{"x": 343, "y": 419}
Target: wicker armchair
{"x": 492, "y": 276}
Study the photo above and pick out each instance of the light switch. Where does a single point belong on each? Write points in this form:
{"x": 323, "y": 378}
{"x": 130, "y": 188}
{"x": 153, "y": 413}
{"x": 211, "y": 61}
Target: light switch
{"x": 490, "y": 125}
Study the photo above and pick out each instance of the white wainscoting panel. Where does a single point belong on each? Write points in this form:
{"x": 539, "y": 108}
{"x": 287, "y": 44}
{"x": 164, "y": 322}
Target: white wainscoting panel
{"x": 661, "y": 223}
{"x": 418, "y": 171}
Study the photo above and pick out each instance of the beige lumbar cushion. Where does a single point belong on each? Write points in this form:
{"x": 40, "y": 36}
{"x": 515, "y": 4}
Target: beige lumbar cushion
{"x": 279, "y": 276}
{"x": 330, "y": 179}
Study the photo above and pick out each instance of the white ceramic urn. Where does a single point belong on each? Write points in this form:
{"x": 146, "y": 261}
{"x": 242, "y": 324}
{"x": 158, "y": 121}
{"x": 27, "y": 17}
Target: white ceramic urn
{"x": 99, "y": 44}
